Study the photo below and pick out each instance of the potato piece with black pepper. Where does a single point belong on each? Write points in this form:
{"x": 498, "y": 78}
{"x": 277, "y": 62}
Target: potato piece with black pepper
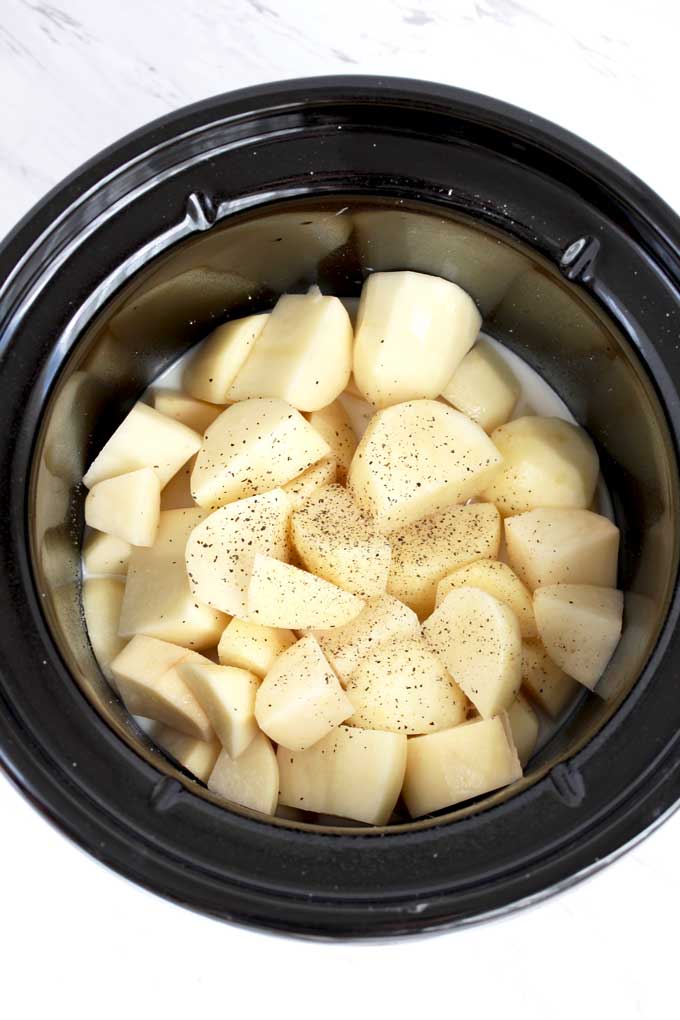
{"x": 333, "y": 424}
{"x": 563, "y": 546}
{"x": 281, "y": 595}
{"x": 106, "y": 554}
{"x": 218, "y": 360}
{"x": 580, "y": 626}
{"x": 499, "y": 580}
{"x": 301, "y": 488}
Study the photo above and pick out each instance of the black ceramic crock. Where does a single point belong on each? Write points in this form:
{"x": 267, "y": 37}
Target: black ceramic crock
{"x": 215, "y": 210}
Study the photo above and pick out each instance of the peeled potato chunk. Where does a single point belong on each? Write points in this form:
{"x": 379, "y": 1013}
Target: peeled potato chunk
{"x": 300, "y": 489}
{"x": 337, "y": 541}
{"x": 144, "y": 439}
{"x": 150, "y": 685}
{"x": 281, "y": 595}
{"x": 547, "y": 462}
{"x": 580, "y": 626}
{"x": 303, "y": 355}
{"x": 544, "y": 681}
{"x": 417, "y": 458}
{"x": 499, "y": 580}
{"x": 478, "y": 640}
{"x": 221, "y": 549}
{"x": 126, "y": 506}
{"x": 251, "y": 780}
{"x": 158, "y": 601}
{"x": 220, "y": 357}
{"x": 451, "y": 766}
{"x": 483, "y": 387}
{"x": 196, "y": 756}
{"x": 382, "y": 619}
{"x": 412, "y": 332}
{"x": 252, "y": 646}
{"x": 227, "y": 696}
{"x": 324, "y": 778}
{"x": 563, "y": 546}
{"x": 524, "y": 727}
{"x": 105, "y": 554}
{"x": 102, "y": 598}
{"x": 195, "y": 414}
{"x": 424, "y": 552}
{"x": 300, "y": 700}
{"x": 333, "y": 424}
{"x": 401, "y": 686}
{"x": 252, "y": 447}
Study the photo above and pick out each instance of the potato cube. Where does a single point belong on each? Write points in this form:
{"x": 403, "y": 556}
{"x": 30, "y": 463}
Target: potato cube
{"x": 401, "y": 686}
{"x": 144, "y": 439}
{"x": 196, "y": 756}
{"x": 498, "y": 580}
{"x": 413, "y": 331}
{"x": 483, "y": 387}
{"x": 418, "y": 458}
{"x": 449, "y": 767}
{"x": 253, "y": 447}
{"x": 300, "y": 489}
{"x": 222, "y": 547}
{"x": 425, "y": 552}
{"x": 547, "y": 462}
{"x": 219, "y": 358}
{"x": 580, "y": 626}
{"x": 150, "y": 685}
{"x": 524, "y": 727}
{"x": 251, "y": 780}
{"x": 300, "y": 700}
{"x": 544, "y": 681}
{"x": 126, "y": 506}
{"x": 176, "y": 495}
{"x": 195, "y": 414}
{"x": 338, "y": 542}
{"x": 227, "y": 696}
{"x": 105, "y": 554}
{"x": 324, "y": 777}
{"x": 383, "y": 618}
{"x": 253, "y": 647}
{"x": 563, "y": 546}
{"x": 303, "y": 355}
{"x": 280, "y": 595}
{"x": 478, "y": 640}
{"x": 333, "y": 425}
{"x": 102, "y": 599}
{"x": 158, "y": 601}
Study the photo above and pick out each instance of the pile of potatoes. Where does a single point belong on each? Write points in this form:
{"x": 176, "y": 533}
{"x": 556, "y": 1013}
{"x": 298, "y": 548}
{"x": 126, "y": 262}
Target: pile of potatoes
{"x": 322, "y": 622}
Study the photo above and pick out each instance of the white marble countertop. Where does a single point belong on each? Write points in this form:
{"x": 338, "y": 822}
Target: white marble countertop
{"x": 74, "y": 76}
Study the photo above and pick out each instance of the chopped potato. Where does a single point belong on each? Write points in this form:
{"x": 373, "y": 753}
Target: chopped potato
{"x": 221, "y": 548}
{"x": 544, "y": 681}
{"x": 195, "y": 414}
{"x": 303, "y": 355}
{"x": 126, "y": 506}
{"x": 105, "y": 554}
{"x": 281, "y": 595}
{"x": 227, "y": 696}
{"x": 412, "y": 332}
{"x": 252, "y": 646}
{"x": 252, "y": 447}
{"x": 220, "y": 357}
{"x": 547, "y": 462}
{"x": 176, "y": 495}
{"x": 337, "y": 541}
{"x": 149, "y": 683}
{"x": 423, "y": 553}
{"x": 333, "y": 424}
{"x": 196, "y": 756}
{"x": 251, "y": 780}
{"x": 478, "y": 640}
{"x": 102, "y": 598}
{"x": 158, "y": 601}
{"x": 417, "y": 458}
{"x": 300, "y": 700}
{"x": 563, "y": 546}
{"x": 402, "y": 686}
{"x": 384, "y": 618}
{"x": 580, "y": 626}
{"x": 524, "y": 727}
{"x": 449, "y": 767}
{"x": 352, "y": 773}
{"x": 483, "y": 387}
{"x": 300, "y": 489}
{"x": 144, "y": 439}
{"x": 498, "y": 580}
